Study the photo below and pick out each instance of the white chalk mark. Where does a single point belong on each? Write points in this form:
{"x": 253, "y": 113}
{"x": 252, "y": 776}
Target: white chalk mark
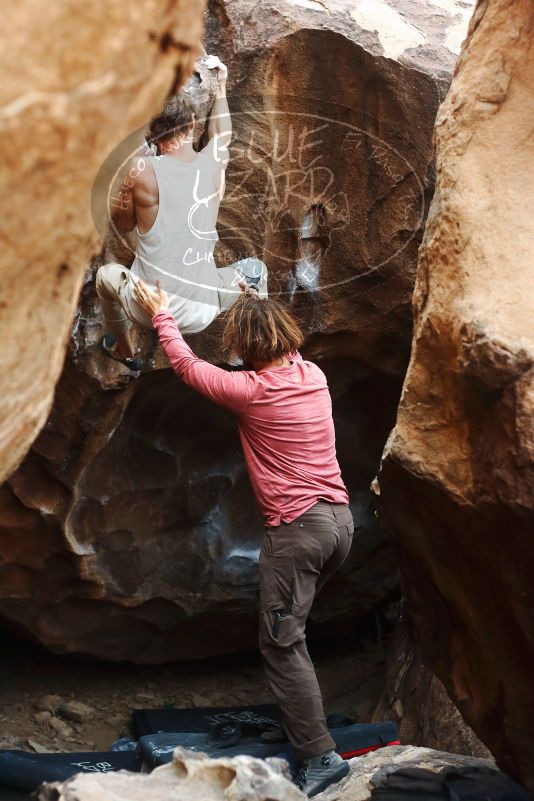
{"x": 315, "y": 5}
{"x": 252, "y": 553}
{"x": 395, "y": 34}
{"x": 458, "y": 30}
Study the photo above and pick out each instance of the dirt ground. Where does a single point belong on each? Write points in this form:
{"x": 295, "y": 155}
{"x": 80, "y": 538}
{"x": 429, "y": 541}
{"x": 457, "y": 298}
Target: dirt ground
{"x": 351, "y": 681}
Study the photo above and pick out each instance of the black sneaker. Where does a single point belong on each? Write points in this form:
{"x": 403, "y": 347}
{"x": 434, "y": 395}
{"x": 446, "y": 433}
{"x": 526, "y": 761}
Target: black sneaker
{"x": 133, "y": 364}
{"x": 252, "y": 272}
{"x": 318, "y": 773}
{"x": 277, "y": 735}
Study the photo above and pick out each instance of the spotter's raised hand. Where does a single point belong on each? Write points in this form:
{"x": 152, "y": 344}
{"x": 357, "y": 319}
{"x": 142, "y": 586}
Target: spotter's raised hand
{"x": 150, "y": 299}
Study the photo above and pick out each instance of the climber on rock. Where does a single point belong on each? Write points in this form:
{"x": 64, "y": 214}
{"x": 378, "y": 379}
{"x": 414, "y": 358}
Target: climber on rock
{"x": 172, "y": 200}
{"x": 284, "y": 413}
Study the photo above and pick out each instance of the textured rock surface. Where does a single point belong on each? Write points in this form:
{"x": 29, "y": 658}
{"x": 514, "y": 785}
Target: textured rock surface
{"x": 417, "y": 700}
{"x": 130, "y": 530}
{"x": 333, "y": 158}
{"x": 87, "y": 80}
{"x": 456, "y": 481}
{"x": 189, "y": 777}
{"x": 380, "y": 775}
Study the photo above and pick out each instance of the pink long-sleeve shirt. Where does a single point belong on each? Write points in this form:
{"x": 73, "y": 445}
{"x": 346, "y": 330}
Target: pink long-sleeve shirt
{"x": 285, "y": 425}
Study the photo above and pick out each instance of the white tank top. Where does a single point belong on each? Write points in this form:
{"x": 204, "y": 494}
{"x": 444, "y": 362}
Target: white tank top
{"x": 178, "y": 249}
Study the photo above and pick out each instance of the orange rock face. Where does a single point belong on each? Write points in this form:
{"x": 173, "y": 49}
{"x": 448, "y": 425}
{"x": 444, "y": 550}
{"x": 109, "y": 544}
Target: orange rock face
{"x": 73, "y": 84}
{"x": 457, "y": 474}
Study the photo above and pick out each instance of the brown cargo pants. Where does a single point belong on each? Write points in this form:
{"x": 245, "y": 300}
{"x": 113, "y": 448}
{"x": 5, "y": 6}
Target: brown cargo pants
{"x": 295, "y": 561}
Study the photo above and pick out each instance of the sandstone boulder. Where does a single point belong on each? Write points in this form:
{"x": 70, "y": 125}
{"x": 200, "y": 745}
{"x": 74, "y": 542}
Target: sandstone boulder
{"x": 130, "y": 531}
{"x": 417, "y": 700}
{"x": 333, "y": 111}
{"x": 74, "y": 84}
{"x": 457, "y": 475}
{"x": 189, "y": 777}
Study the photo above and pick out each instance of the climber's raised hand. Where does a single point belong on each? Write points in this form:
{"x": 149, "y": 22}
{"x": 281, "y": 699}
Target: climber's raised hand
{"x": 247, "y": 289}
{"x": 151, "y": 300}
{"x": 219, "y": 120}
{"x": 214, "y": 63}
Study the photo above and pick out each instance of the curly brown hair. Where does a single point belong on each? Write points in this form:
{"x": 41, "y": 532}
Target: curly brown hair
{"x": 176, "y": 117}
{"x": 260, "y": 330}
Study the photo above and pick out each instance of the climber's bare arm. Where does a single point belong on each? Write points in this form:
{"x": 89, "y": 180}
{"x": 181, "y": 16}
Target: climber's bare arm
{"x": 146, "y": 195}
{"x": 122, "y": 206}
{"x": 137, "y": 200}
{"x": 220, "y": 122}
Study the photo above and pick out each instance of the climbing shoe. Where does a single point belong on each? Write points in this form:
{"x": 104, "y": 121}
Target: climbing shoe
{"x": 277, "y": 735}
{"x": 318, "y": 773}
{"x": 133, "y": 364}
{"x": 252, "y": 271}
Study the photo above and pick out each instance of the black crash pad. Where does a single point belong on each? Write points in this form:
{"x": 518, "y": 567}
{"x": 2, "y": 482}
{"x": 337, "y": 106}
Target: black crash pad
{"x": 27, "y": 771}
{"x": 469, "y": 783}
{"x": 157, "y": 721}
{"x": 352, "y": 739}
{"x": 12, "y": 793}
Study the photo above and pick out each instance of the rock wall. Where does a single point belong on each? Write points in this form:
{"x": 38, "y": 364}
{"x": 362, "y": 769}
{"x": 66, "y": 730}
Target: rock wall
{"x": 457, "y": 475}
{"x": 130, "y": 531}
{"x": 73, "y": 85}
{"x": 417, "y": 700}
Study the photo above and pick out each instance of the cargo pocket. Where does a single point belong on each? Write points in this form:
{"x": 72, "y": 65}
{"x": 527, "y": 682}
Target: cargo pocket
{"x": 278, "y": 583}
{"x": 305, "y": 588}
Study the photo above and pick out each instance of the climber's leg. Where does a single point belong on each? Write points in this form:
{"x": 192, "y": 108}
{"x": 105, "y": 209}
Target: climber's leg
{"x": 251, "y": 270}
{"x": 292, "y": 561}
{"x": 111, "y": 280}
{"x": 292, "y": 679}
